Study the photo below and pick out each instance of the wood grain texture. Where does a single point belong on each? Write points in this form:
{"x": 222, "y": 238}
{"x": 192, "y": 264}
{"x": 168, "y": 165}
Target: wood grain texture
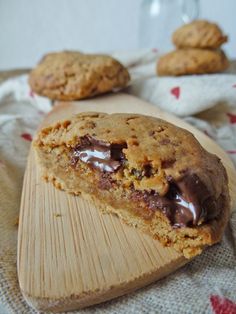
{"x": 69, "y": 254}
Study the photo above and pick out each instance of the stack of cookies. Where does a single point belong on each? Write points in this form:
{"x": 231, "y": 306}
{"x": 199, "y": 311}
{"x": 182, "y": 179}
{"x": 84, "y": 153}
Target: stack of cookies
{"x": 198, "y": 51}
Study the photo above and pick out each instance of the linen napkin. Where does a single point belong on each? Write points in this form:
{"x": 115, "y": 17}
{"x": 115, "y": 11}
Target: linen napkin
{"x": 182, "y": 96}
{"x": 205, "y": 285}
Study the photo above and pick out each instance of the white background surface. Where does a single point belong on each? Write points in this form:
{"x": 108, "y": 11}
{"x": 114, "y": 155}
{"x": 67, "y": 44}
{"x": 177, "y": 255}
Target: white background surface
{"x": 30, "y": 28}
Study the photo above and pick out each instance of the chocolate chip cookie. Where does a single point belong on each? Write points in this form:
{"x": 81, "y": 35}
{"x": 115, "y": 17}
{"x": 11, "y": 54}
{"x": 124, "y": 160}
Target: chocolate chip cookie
{"x": 72, "y": 75}
{"x": 192, "y": 61}
{"x": 152, "y": 174}
{"x": 199, "y": 34}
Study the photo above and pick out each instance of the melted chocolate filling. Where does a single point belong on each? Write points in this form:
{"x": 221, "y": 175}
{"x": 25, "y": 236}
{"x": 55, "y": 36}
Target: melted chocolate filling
{"x": 103, "y": 156}
{"x": 188, "y": 202}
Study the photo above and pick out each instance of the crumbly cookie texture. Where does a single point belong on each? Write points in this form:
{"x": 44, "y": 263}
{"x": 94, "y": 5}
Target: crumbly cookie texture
{"x": 72, "y": 75}
{"x": 152, "y": 174}
{"x": 199, "y": 34}
{"x": 192, "y": 61}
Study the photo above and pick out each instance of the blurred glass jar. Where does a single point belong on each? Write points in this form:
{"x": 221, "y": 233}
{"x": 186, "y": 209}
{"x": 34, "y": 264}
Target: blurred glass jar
{"x": 160, "y": 18}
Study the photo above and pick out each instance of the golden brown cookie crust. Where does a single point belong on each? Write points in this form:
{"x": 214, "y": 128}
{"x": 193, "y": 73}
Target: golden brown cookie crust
{"x": 169, "y": 150}
{"x": 192, "y": 61}
{"x": 199, "y": 34}
{"x": 72, "y": 75}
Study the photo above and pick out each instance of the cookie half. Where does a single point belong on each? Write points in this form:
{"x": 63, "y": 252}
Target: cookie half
{"x": 199, "y": 34}
{"x": 72, "y": 75}
{"x": 192, "y": 61}
{"x": 152, "y": 174}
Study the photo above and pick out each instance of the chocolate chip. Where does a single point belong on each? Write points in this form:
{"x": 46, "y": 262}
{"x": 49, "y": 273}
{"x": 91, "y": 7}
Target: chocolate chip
{"x": 131, "y": 118}
{"x": 164, "y": 141}
{"x": 147, "y": 170}
{"x": 168, "y": 163}
{"x": 153, "y": 133}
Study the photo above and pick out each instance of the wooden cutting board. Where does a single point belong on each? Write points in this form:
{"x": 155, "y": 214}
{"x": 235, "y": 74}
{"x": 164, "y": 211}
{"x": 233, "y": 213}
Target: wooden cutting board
{"x": 69, "y": 254}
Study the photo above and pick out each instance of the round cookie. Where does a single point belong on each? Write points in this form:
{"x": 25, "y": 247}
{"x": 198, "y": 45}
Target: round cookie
{"x": 199, "y": 34}
{"x": 152, "y": 174}
{"x": 72, "y": 75}
{"x": 192, "y": 61}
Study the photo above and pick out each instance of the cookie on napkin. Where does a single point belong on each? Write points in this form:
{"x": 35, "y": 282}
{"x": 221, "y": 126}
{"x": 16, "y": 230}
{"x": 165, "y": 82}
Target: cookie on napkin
{"x": 192, "y": 61}
{"x": 72, "y": 75}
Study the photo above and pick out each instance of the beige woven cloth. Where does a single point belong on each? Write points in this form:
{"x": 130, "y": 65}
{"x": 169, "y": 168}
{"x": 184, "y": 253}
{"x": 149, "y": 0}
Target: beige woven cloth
{"x": 206, "y": 285}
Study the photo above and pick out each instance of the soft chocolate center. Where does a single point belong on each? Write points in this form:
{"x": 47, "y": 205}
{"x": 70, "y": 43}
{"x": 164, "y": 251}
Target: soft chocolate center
{"x": 98, "y": 154}
{"x": 188, "y": 201}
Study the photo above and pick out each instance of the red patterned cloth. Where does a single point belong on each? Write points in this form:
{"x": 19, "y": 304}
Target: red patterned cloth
{"x": 222, "y": 305}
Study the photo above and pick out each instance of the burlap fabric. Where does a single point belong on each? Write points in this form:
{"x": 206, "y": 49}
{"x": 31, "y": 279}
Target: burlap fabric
{"x": 203, "y": 286}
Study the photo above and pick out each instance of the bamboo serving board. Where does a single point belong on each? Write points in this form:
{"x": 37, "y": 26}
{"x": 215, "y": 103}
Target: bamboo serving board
{"x": 69, "y": 254}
